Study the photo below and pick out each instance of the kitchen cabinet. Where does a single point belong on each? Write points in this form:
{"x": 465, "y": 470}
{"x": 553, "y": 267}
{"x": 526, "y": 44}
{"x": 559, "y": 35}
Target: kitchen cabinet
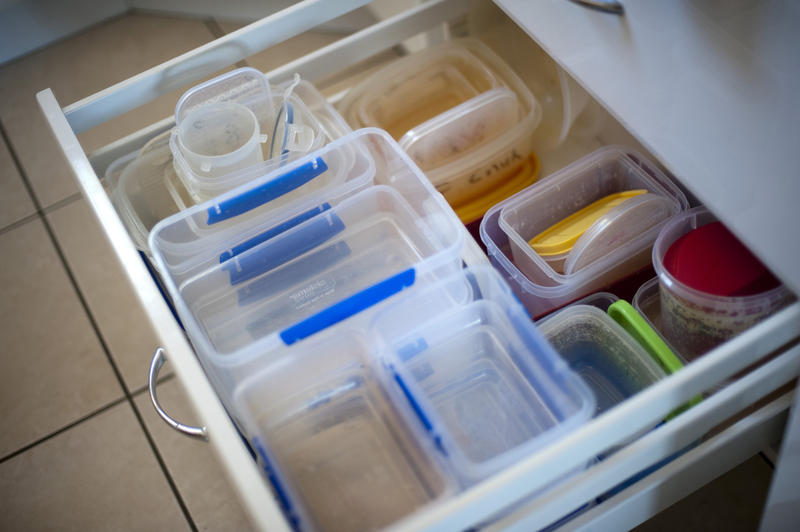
{"x": 703, "y": 88}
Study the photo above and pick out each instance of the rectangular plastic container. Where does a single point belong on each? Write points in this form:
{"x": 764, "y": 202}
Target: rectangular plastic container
{"x": 480, "y": 377}
{"x": 617, "y": 249}
{"x": 597, "y": 348}
{"x": 248, "y": 280}
{"x": 459, "y": 111}
{"x": 340, "y": 455}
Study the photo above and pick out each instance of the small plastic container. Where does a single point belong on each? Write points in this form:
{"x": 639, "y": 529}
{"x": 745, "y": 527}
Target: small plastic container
{"x": 614, "y": 247}
{"x": 694, "y": 321}
{"x": 227, "y": 131}
{"x": 338, "y": 452}
{"x": 610, "y": 361}
{"x": 481, "y": 379}
{"x": 220, "y": 138}
{"x": 470, "y": 133}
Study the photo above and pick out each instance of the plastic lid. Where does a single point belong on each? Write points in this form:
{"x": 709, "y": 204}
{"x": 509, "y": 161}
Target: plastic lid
{"x": 623, "y": 313}
{"x": 631, "y": 217}
{"x": 562, "y": 236}
{"x": 711, "y": 259}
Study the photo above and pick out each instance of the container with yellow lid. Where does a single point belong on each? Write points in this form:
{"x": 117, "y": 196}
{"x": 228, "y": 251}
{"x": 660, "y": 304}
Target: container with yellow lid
{"x": 592, "y": 224}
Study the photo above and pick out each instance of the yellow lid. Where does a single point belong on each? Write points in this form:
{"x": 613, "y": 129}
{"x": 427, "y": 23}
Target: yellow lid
{"x": 559, "y": 238}
{"x": 474, "y": 208}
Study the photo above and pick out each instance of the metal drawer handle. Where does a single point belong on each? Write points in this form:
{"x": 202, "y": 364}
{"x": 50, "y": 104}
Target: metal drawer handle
{"x": 158, "y": 361}
{"x": 609, "y": 6}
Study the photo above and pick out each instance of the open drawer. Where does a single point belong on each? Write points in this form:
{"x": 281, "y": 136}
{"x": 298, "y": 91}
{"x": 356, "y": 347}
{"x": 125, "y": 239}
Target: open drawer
{"x": 773, "y": 343}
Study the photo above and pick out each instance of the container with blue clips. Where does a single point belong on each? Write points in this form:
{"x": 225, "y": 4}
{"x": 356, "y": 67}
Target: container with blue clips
{"x": 245, "y": 277}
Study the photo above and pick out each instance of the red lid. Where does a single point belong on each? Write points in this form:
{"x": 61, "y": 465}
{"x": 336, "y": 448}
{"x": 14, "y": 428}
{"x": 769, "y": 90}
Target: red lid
{"x": 711, "y": 259}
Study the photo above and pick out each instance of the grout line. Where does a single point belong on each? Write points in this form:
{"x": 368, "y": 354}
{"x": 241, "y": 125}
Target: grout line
{"x": 93, "y": 322}
{"x": 19, "y": 223}
{"x": 216, "y": 31}
{"x": 72, "y": 198}
{"x": 161, "y": 380}
{"x": 65, "y": 428}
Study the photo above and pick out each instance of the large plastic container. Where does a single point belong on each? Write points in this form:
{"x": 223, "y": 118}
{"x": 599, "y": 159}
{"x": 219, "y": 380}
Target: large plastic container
{"x": 692, "y": 320}
{"x": 233, "y": 128}
{"x": 480, "y": 377}
{"x": 333, "y": 442}
{"x": 461, "y": 113}
{"x": 248, "y": 280}
{"x": 615, "y": 246}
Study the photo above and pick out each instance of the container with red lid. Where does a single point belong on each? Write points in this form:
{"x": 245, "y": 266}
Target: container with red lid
{"x": 711, "y": 286}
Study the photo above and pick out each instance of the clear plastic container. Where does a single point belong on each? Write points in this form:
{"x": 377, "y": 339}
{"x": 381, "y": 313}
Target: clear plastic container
{"x": 239, "y": 109}
{"x": 339, "y": 454}
{"x": 481, "y": 379}
{"x": 597, "y": 348}
{"x": 247, "y": 280}
{"x": 694, "y": 321}
{"x": 471, "y": 123}
{"x": 145, "y": 188}
{"x": 620, "y": 248}
{"x": 647, "y": 303}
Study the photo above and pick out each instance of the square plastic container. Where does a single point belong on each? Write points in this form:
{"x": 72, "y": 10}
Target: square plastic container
{"x": 471, "y": 123}
{"x": 615, "y": 246}
{"x": 248, "y": 280}
{"x": 232, "y": 128}
{"x": 481, "y": 379}
{"x": 338, "y": 452}
{"x": 599, "y": 350}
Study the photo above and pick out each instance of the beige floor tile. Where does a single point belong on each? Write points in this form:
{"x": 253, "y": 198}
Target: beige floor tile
{"x": 732, "y": 502}
{"x": 98, "y": 475}
{"x": 200, "y": 480}
{"x": 78, "y": 67}
{"x": 119, "y": 315}
{"x": 15, "y": 203}
{"x": 52, "y": 370}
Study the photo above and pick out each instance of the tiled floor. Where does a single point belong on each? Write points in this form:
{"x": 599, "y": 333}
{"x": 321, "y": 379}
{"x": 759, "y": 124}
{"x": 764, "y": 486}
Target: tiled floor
{"x": 82, "y": 448}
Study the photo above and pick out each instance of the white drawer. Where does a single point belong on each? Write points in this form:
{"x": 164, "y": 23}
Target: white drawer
{"x": 773, "y": 341}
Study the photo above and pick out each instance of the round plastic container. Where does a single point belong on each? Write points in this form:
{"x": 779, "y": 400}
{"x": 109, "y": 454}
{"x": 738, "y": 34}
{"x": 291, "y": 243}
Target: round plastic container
{"x": 695, "y": 321}
{"x": 219, "y": 138}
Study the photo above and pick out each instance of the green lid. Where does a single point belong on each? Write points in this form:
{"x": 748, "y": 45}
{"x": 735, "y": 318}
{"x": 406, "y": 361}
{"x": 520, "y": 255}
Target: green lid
{"x": 623, "y": 313}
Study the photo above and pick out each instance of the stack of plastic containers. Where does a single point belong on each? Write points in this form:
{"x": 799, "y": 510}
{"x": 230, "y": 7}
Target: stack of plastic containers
{"x": 448, "y": 384}
{"x": 230, "y": 130}
{"x": 567, "y": 235}
{"x": 371, "y": 373}
{"x": 461, "y": 114}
